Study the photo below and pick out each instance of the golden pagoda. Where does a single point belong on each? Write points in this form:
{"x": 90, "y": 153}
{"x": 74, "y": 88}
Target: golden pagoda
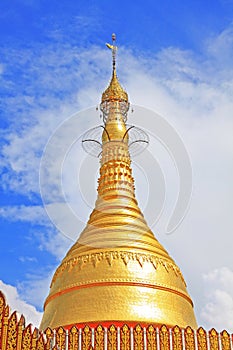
{"x": 117, "y": 271}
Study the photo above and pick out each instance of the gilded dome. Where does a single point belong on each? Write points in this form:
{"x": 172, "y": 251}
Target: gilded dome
{"x": 117, "y": 271}
{"x": 114, "y": 91}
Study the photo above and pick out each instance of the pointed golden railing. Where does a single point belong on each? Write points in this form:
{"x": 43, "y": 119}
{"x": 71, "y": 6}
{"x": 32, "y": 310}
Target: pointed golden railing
{"x": 15, "y": 335}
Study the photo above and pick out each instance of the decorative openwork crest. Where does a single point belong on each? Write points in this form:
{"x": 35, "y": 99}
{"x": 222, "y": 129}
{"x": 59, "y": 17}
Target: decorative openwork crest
{"x": 138, "y": 140}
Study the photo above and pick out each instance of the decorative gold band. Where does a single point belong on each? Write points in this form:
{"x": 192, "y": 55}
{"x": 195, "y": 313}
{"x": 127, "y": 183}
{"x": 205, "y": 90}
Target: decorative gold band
{"x": 109, "y": 256}
{"x": 118, "y": 283}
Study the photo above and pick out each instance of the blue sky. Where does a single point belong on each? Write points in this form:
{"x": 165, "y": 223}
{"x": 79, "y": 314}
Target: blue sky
{"x": 175, "y": 58}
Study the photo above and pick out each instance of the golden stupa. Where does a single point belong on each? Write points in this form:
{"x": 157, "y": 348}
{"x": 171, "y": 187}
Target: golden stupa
{"x": 117, "y": 271}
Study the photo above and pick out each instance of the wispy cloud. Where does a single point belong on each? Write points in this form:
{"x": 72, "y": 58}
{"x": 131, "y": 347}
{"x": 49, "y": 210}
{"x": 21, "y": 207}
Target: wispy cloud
{"x": 35, "y": 214}
{"x": 53, "y": 242}
{"x": 218, "y": 311}
{"x": 50, "y": 240}
{"x": 17, "y": 303}
{"x": 35, "y": 287}
{"x": 53, "y": 81}
{"x": 220, "y": 48}
{"x": 27, "y": 259}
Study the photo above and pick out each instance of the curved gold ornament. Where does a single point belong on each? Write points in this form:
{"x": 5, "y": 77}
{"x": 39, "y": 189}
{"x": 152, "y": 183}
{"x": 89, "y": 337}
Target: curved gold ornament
{"x": 12, "y": 332}
{"x": 61, "y": 338}
{"x": 2, "y": 309}
{"x": 73, "y": 338}
{"x": 34, "y": 339}
{"x": 112, "y": 338}
{"x": 201, "y": 339}
{"x": 189, "y": 339}
{"x": 40, "y": 344}
{"x": 86, "y": 338}
{"x": 225, "y": 340}
{"x": 125, "y": 337}
{"x": 20, "y": 331}
{"x": 177, "y": 338}
{"x": 5, "y": 326}
{"x": 117, "y": 270}
{"x": 49, "y": 338}
{"x": 99, "y": 338}
{"x": 27, "y": 338}
{"x": 138, "y": 337}
{"x": 151, "y": 337}
{"x": 213, "y": 337}
{"x": 164, "y": 339}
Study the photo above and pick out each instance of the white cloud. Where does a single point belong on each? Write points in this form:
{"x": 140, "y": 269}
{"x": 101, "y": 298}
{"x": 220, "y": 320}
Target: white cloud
{"x": 221, "y": 48}
{"x": 27, "y": 259}
{"x": 39, "y": 107}
{"x": 35, "y": 214}
{"x": 218, "y": 310}
{"x": 35, "y": 287}
{"x": 16, "y": 303}
{"x": 50, "y": 240}
{"x": 54, "y": 242}
{"x": 22, "y": 152}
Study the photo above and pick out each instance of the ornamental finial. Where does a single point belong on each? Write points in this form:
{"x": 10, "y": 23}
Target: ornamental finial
{"x": 114, "y": 96}
{"x": 113, "y": 47}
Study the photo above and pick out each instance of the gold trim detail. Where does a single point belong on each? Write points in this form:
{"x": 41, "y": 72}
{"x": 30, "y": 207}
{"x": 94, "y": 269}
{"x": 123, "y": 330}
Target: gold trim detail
{"x": 34, "y": 339}
{"x": 99, "y": 338}
{"x": 138, "y": 338}
{"x": 125, "y": 338}
{"x": 151, "y": 337}
{"x": 21, "y": 333}
{"x": 118, "y": 282}
{"x": 164, "y": 338}
{"x": 12, "y": 332}
{"x": 112, "y": 338}
{"x": 73, "y": 338}
{"x": 49, "y": 335}
{"x": 86, "y": 338}
{"x": 189, "y": 338}
{"x": 110, "y": 256}
{"x": 213, "y": 336}
{"x": 40, "y": 345}
{"x": 201, "y": 339}
{"x": 225, "y": 340}
{"x": 177, "y": 339}
{"x": 27, "y": 338}
{"x": 61, "y": 338}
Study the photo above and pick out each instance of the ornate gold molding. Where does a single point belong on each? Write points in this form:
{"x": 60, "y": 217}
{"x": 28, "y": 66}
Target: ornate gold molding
{"x": 130, "y": 282}
{"x": 109, "y": 256}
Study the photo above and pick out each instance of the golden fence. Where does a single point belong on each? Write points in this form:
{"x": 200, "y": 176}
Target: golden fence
{"x": 14, "y": 335}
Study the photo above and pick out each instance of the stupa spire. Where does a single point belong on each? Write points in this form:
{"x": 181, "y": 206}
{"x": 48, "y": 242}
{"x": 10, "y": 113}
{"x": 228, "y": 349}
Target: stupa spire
{"x": 117, "y": 271}
{"x": 114, "y": 96}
